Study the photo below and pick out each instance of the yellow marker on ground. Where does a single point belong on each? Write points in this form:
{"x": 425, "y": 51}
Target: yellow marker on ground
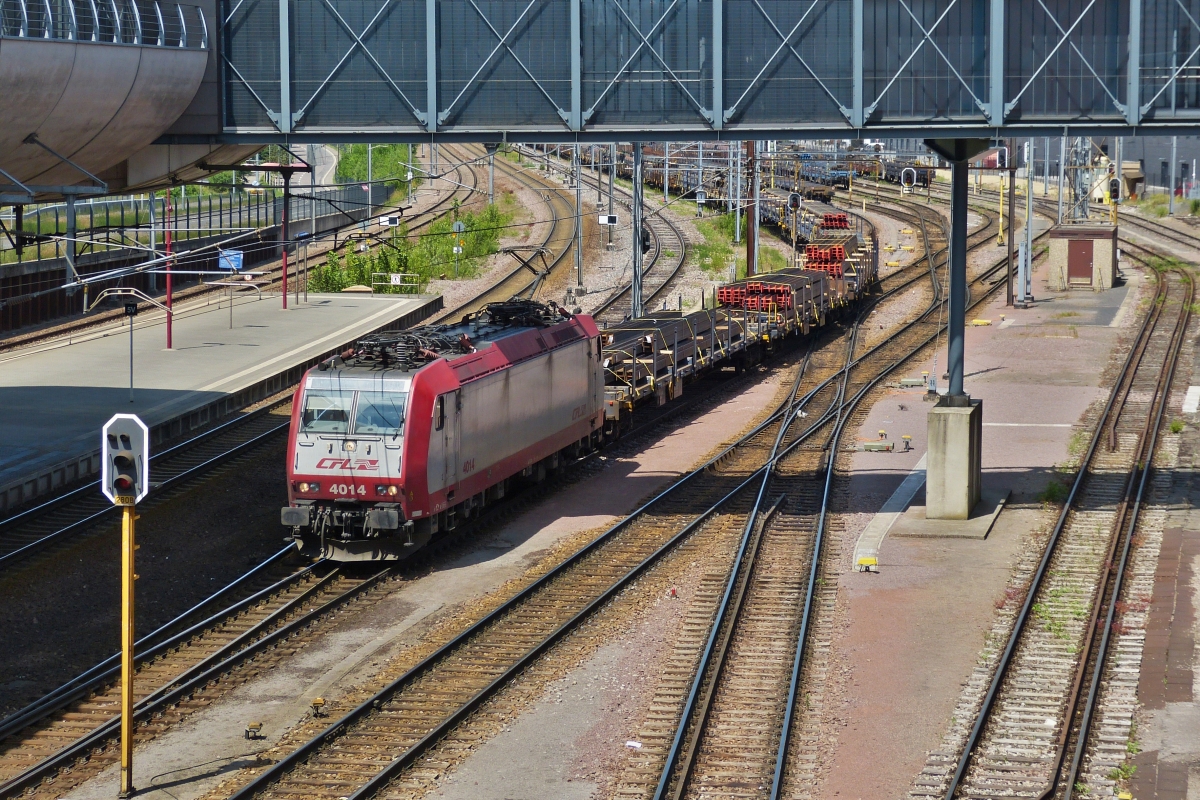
{"x": 868, "y": 564}
{"x": 979, "y": 323}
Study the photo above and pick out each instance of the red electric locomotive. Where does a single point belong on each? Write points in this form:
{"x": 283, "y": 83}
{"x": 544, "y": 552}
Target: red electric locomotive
{"x": 411, "y": 432}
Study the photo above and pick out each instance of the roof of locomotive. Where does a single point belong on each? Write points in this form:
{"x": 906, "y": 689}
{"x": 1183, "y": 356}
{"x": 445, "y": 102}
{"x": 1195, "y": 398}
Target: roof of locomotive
{"x": 397, "y": 354}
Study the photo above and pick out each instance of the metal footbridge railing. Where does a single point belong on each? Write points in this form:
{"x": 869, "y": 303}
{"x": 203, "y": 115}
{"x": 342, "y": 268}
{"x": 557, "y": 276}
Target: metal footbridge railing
{"x": 148, "y": 23}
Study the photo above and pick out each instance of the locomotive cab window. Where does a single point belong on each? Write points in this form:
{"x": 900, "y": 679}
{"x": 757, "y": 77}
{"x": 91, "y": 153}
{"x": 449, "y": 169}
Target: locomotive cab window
{"x": 327, "y": 411}
{"x": 380, "y": 413}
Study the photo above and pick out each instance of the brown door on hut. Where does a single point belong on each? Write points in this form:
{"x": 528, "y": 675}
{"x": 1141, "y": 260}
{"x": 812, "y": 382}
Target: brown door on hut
{"x": 1079, "y": 262}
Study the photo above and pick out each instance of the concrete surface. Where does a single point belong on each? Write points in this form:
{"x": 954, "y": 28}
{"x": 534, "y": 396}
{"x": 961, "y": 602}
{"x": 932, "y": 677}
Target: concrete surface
{"x": 915, "y": 522}
{"x": 56, "y": 397}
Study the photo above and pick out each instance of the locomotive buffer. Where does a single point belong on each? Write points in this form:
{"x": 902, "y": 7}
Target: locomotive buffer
{"x": 125, "y": 443}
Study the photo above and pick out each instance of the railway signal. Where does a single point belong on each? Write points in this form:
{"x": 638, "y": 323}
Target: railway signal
{"x": 125, "y": 479}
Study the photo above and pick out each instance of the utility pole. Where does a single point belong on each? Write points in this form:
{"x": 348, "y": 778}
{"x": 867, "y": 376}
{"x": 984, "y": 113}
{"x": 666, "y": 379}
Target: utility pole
{"x": 752, "y": 211}
{"x": 1046, "y": 167}
{"x": 635, "y": 291}
{"x": 666, "y": 171}
{"x": 153, "y": 242}
{"x": 370, "y": 207}
{"x": 1012, "y": 201}
{"x": 1062, "y": 172}
{"x": 1174, "y": 174}
{"x": 729, "y": 178}
{"x": 1026, "y": 274}
{"x": 283, "y": 227}
{"x": 737, "y": 188}
{"x": 578, "y": 221}
{"x": 167, "y": 245}
{"x": 612, "y": 171}
{"x": 72, "y": 275}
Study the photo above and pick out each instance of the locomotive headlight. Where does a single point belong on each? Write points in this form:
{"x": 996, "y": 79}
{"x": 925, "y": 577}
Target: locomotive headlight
{"x": 310, "y": 487}
{"x": 381, "y": 489}
{"x": 351, "y": 447}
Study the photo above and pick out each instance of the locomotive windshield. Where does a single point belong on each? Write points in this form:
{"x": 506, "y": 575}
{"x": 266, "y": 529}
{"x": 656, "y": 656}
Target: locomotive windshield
{"x": 380, "y": 413}
{"x": 327, "y": 411}
{"x": 374, "y": 413}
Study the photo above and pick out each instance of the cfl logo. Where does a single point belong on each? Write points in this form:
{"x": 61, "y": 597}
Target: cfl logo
{"x": 356, "y": 465}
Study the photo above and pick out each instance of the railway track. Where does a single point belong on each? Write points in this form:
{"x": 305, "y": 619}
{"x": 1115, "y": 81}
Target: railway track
{"x": 375, "y": 743}
{"x": 518, "y": 283}
{"x": 80, "y": 510}
{"x": 1031, "y": 730}
{"x": 63, "y": 739}
{"x": 751, "y": 723}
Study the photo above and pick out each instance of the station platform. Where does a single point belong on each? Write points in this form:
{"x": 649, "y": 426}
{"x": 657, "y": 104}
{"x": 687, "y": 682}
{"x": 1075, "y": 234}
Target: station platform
{"x": 57, "y": 395}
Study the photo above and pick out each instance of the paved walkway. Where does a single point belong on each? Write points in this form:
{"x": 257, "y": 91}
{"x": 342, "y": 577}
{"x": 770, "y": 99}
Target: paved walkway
{"x": 56, "y": 396}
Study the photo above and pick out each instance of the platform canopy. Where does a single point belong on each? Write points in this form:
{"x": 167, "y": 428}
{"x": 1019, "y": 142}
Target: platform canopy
{"x": 599, "y": 70}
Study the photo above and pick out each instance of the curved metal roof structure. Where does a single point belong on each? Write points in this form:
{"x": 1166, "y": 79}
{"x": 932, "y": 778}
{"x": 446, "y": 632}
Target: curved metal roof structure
{"x": 88, "y": 83}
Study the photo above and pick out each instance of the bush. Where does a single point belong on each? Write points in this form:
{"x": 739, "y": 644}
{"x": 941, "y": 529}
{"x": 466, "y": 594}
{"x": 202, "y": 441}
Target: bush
{"x": 429, "y": 256}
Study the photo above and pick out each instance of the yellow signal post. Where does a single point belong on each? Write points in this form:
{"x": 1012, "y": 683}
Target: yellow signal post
{"x": 128, "y": 546}
{"x": 124, "y": 480}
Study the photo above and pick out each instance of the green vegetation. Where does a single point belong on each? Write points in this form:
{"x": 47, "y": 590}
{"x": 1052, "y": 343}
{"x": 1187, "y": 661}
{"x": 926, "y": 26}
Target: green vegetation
{"x": 1065, "y": 314}
{"x": 1123, "y": 772}
{"x": 429, "y": 256}
{"x": 714, "y": 255}
{"x": 1133, "y": 746}
{"x": 388, "y": 161}
{"x": 1176, "y": 426}
{"x": 1078, "y": 443}
{"x": 1054, "y": 493}
{"x": 1194, "y": 207}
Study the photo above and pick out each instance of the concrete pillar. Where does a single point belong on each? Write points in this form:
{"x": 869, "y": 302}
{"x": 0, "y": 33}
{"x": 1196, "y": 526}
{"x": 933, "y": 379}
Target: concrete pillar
{"x": 953, "y": 476}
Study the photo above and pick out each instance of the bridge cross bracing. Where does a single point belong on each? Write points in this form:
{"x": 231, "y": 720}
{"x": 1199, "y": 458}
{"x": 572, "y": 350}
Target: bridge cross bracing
{"x": 562, "y": 70}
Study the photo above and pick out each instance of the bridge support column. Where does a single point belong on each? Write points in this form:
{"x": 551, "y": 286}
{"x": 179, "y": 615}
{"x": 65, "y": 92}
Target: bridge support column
{"x": 955, "y": 437}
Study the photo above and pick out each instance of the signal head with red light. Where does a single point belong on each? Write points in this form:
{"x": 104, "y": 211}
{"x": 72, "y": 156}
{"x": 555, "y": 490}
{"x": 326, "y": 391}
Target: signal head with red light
{"x": 125, "y": 444}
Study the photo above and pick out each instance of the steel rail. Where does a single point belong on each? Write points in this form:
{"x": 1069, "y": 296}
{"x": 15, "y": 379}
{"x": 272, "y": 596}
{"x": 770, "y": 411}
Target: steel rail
{"x": 150, "y": 645}
{"x": 9, "y": 558}
{"x": 177, "y": 448}
{"x": 1142, "y": 467}
{"x": 840, "y": 414}
{"x": 697, "y": 708}
{"x": 1025, "y": 613}
{"x": 211, "y": 669}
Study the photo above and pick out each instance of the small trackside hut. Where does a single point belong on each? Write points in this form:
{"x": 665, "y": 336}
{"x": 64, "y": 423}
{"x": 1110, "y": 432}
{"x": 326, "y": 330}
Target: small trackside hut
{"x": 409, "y": 433}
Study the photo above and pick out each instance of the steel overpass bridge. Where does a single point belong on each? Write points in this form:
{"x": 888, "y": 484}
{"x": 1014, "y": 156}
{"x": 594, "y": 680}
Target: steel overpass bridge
{"x": 603, "y": 70}
{"x": 127, "y": 93}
